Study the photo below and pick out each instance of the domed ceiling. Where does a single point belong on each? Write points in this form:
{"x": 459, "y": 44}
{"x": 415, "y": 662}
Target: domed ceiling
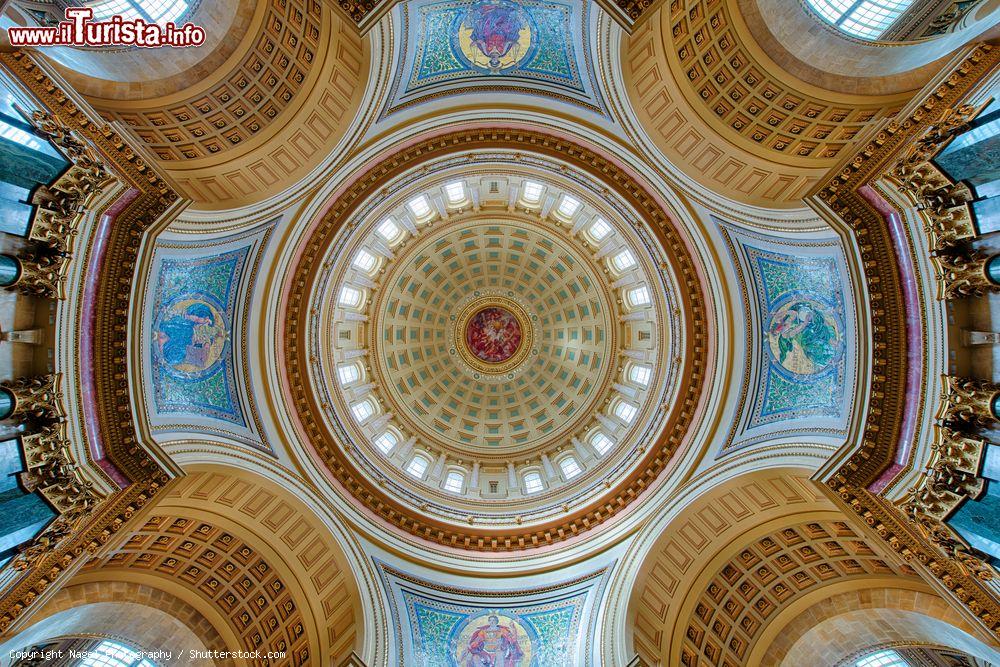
{"x": 493, "y": 347}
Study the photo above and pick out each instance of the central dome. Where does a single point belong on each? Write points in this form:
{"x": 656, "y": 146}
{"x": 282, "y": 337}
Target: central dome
{"x": 493, "y": 335}
{"x": 494, "y": 347}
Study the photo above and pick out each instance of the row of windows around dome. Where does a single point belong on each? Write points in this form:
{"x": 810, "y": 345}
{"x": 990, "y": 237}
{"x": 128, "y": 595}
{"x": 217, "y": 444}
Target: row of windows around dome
{"x": 422, "y": 209}
{"x": 417, "y": 463}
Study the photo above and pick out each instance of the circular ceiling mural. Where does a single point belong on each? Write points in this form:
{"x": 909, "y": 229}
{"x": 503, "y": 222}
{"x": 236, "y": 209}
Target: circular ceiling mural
{"x": 494, "y": 350}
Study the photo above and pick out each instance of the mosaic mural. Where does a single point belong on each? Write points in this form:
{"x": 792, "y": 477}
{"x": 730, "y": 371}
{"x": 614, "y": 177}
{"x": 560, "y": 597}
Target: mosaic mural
{"x": 446, "y": 627}
{"x": 800, "y": 340}
{"x": 192, "y": 357}
{"x": 493, "y": 334}
{"x": 802, "y": 308}
{"x": 460, "y": 46}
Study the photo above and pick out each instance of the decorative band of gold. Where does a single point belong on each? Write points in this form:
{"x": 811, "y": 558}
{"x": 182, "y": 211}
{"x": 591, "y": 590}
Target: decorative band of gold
{"x": 478, "y": 305}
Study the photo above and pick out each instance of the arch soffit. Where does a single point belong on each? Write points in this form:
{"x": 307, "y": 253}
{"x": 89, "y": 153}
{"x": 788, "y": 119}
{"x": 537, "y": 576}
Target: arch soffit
{"x": 703, "y": 537}
{"x": 800, "y": 623}
{"x": 255, "y": 513}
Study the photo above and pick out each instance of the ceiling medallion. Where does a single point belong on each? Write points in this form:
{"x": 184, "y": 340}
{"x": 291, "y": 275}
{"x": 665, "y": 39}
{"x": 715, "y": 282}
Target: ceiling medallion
{"x": 493, "y": 335}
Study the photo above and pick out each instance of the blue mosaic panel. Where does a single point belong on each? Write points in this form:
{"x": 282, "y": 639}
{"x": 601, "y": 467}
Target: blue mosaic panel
{"x": 451, "y": 635}
{"x": 191, "y": 352}
{"x": 527, "y": 39}
{"x": 803, "y": 335}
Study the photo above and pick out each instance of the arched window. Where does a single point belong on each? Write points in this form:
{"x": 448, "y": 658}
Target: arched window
{"x": 363, "y": 410}
{"x": 887, "y": 658}
{"x": 626, "y": 412}
{"x": 639, "y": 296}
{"x": 568, "y": 206}
{"x": 386, "y": 442}
{"x": 420, "y": 207}
{"x": 640, "y": 374}
{"x": 570, "y": 467}
{"x": 389, "y": 230}
{"x": 531, "y": 192}
{"x": 867, "y": 19}
{"x": 599, "y": 230}
{"x": 348, "y": 373}
{"x": 454, "y": 481}
{"x": 623, "y": 261}
{"x": 455, "y": 192}
{"x": 601, "y": 443}
{"x": 151, "y": 11}
{"x": 113, "y": 654}
{"x": 418, "y": 466}
{"x": 532, "y": 482}
{"x": 365, "y": 261}
{"x": 350, "y": 297}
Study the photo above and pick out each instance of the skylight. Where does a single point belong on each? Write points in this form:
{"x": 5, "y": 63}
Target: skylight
{"x": 386, "y": 442}
{"x": 601, "y": 443}
{"x": 151, "y": 11}
{"x": 388, "y": 230}
{"x": 624, "y": 260}
{"x": 348, "y": 373}
{"x": 365, "y": 261}
{"x": 887, "y": 658}
{"x": 867, "y": 19}
{"x": 113, "y": 654}
{"x": 363, "y": 410}
{"x": 350, "y": 297}
{"x": 626, "y": 411}
{"x": 639, "y": 296}
{"x": 640, "y": 375}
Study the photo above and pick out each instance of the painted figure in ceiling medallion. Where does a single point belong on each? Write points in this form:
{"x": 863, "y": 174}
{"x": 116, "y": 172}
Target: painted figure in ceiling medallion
{"x": 495, "y": 35}
{"x": 190, "y": 336}
{"x": 493, "y": 334}
{"x": 804, "y": 336}
{"x": 500, "y": 641}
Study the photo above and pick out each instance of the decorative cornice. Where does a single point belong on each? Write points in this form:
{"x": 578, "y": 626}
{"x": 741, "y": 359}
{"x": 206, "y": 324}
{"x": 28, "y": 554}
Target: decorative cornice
{"x": 928, "y": 543}
{"x": 576, "y": 520}
{"x": 92, "y": 150}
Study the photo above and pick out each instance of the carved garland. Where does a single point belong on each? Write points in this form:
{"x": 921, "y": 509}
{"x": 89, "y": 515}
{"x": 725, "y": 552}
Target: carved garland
{"x": 48, "y": 563}
{"x": 577, "y": 520}
{"x": 955, "y": 568}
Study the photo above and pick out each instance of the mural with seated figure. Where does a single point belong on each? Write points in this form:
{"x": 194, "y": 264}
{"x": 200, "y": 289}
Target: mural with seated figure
{"x": 522, "y": 46}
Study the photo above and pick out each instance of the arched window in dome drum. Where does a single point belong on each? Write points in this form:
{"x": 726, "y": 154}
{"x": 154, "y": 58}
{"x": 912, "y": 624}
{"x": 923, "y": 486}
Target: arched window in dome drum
{"x": 570, "y": 467}
{"x": 886, "y": 658}
{"x": 365, "y": 261}
{"x": 531, "y": 192}
{"x": 454, "y": 481}
{"x": 350, "y": 297}
{"x": 363, "y": 410}
{"x": 625, "y": 412}
{"x": 418, "y": 466}
{"x": 601, "y": 443}
{"x": 389, "y": 230}
{"x": 348, "y": 373}
{"x": 386, "y": 442}
{"x": 113, "y": 654}
{"x": 623, "y": 261}
{"x": 599, "y": 229}
{"x": 532, "y": 482}
{"x": 639, "y": 296}
{"x": 640, "y": 374}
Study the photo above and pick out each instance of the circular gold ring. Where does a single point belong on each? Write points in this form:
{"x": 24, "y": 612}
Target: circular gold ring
{"x": 477, "y": 306}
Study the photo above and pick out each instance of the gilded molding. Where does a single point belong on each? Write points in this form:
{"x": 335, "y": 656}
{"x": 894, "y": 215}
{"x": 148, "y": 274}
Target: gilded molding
{"x": 913, "y": 537}
{"x": 92, "y": 149}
